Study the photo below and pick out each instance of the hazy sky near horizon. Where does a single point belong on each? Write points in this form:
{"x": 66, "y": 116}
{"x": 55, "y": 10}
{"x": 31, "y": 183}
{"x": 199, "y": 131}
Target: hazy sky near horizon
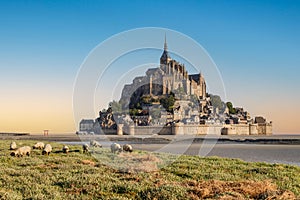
{"x": 255, "y": 44}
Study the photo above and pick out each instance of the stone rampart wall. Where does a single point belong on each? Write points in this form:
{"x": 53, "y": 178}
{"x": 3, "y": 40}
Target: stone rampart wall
{"x": 182, "y": 129}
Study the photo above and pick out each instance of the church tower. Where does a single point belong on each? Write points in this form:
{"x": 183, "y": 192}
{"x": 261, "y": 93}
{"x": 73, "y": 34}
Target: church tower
{"x": 165, "y": 58}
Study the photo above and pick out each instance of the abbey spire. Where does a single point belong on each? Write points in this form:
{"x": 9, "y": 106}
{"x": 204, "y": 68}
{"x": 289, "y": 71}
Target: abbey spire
{"x": 165, "y": 45}
{"x": 165, "y": 58}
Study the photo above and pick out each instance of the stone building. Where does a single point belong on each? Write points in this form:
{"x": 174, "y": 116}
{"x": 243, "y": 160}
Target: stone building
{"x": 169, "y": 77}
{"x": 86, "y": 125}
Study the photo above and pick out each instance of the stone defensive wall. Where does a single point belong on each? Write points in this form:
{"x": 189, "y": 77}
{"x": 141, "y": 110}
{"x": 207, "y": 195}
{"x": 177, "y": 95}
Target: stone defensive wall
{"x": 183, "y": 129}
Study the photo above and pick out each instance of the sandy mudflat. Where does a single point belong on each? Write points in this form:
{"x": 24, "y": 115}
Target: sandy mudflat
{"x": 274, "y": 139}
{"x": 270, "y": 153}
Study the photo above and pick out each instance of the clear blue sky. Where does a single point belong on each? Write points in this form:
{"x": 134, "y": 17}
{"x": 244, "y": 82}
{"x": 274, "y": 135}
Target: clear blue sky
{"x": 255, "y": 44}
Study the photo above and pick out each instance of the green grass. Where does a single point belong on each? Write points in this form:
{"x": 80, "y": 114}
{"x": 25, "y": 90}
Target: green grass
{"x": 82, "y": 176}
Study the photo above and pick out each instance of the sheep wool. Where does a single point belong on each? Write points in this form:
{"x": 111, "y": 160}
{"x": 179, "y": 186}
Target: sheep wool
{"x": 94, "y": 143}
{"x": 115, "y": 148}
{"x": 47, "y": 149}
{"x": 20, "y": 152}
{"x": 127, "y": 148}
{"x": 13, "y": 146}
{"x": 39, "y": 145}
{"x": 85, "y": 148}
{"x": 65, "y": 149}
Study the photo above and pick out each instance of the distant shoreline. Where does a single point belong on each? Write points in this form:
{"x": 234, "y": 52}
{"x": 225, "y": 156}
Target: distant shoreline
{"x": 246, "y": 139}
{"x": 13, "y": 134}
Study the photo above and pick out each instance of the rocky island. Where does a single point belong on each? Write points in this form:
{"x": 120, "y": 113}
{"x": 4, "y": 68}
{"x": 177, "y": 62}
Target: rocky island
{"x": 170, "y": 101}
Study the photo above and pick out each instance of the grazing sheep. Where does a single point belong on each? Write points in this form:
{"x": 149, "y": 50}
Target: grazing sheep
{"x": 20, "y": 152}
{"x": 65, "y": 149}
{"x": 39, "y": 145}
{"x": 47, "y": 149}
{"x": 13, "y": 146}
{"x": 94, "y": 143}
{"x": 115, "y": 148}
{"x": 85, "y": 148}
{"x": 127, "y": 148}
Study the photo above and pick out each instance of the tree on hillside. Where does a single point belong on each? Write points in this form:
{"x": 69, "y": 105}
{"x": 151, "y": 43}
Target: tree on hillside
{"x": 217, "y": 102}
{"x": 230, "y": 108}
{"x": 168, "y": 102}
{"x": 134, "y": 112}
{"x": 146, "y": 99}
{"x": 115, "y": 106}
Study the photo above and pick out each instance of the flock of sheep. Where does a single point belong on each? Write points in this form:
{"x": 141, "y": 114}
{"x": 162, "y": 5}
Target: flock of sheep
{"x": 114, "y": 147}
{"x": 47, "y": 149}
{"x": 25, "y": 150}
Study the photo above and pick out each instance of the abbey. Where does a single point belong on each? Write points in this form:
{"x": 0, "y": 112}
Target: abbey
{"x": 169, "y": 77}
{"x": 169, "y": 100}
{"x": 174, "y": 76}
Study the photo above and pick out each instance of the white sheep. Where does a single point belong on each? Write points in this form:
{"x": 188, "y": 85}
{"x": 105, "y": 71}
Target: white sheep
{"x": 39, "y": 145}
{"x": 47, "y": 149}
{"x": 127, "y": 148}
{"x": 20, "y": 152}
{"x": 85, "y": 148}
{"x": 13, "y": 146}
{"x": 115, "y": 148}
{"x": 94, "y": 143}
{"x": 65, "y": 149}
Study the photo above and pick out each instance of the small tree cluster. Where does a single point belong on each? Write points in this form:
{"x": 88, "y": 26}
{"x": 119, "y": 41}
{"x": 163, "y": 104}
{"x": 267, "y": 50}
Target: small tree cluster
{"x": 217, "y": 102}
{"x": 230, "y": 107}
{"x": 168, "y": 102}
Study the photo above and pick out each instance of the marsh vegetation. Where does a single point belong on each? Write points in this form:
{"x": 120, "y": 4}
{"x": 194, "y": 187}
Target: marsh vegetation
{"x": 139, "y": 175}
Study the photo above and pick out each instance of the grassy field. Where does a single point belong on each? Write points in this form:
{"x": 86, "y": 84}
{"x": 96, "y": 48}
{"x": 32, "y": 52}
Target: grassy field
{"x": 139, "y": 175}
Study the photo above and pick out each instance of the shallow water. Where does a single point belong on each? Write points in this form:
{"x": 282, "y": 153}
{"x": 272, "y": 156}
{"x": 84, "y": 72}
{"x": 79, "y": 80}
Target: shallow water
{"x": 270, "y": 153}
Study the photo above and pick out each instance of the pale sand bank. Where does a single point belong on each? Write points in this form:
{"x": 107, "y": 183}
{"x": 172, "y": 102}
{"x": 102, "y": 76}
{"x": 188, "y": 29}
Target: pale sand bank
{"x": 274, "y": 139}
